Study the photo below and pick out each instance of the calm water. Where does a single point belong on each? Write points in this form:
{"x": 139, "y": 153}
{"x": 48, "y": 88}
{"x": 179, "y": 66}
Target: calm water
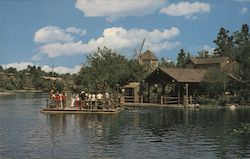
{"x": 133, "y": 133}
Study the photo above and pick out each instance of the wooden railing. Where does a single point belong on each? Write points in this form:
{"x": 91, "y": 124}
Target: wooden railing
{"x": 129, "y": 99}
{"x": 169, "y": 100}
{"x": 153, "y": 99}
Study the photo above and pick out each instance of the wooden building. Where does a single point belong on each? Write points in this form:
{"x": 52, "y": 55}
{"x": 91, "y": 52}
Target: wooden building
{"x": 169, "y": 85}
{"x": 131, "y": 92}
{"x": 224, "y": 64}
{"x": 148, "y": 60}
{"x": 226, "y": 68}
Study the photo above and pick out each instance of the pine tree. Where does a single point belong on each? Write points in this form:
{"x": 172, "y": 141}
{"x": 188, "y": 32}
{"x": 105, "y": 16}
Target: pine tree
{"x": 182, "y": 58}
{"x": 224, "y": 43}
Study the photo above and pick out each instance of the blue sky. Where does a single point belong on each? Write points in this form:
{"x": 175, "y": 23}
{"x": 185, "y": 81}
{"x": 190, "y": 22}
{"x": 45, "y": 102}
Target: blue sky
{"x": 63, "y": 32}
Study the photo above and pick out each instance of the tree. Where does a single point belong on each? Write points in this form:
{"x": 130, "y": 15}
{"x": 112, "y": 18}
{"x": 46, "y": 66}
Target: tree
{"x": 11, "y": 70}
{"x": 224, "y": 43}
{"x": 166, "y": 63}
{"x": 240, "y": 38}
{"x": 244, "y": 61}
{"x": 182, "y": 58}
{"x": 1, "y": 68}
{"x": 215, "y": 82}
{"x": 105, "y": 68}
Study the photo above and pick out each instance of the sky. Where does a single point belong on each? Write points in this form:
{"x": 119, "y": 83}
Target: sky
{"x": 61, "y": 33}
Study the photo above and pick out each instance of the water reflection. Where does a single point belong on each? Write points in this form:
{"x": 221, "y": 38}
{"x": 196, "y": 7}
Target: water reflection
{"x": 188, "y": 132}
{"x": 133, "y": 133}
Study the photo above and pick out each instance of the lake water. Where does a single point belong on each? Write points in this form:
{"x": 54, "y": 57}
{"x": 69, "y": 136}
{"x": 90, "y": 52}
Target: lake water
{"x": 133, "y": 133}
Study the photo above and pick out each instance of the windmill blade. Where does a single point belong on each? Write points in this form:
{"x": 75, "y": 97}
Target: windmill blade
{"x": 135, "y": 55}
{"x": 142, "y": 46}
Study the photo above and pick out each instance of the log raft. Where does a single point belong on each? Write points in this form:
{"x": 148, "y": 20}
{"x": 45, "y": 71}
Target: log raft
{"x": 80, "y": 111}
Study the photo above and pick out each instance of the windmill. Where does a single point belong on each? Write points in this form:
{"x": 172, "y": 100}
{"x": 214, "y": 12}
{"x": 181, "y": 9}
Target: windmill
{"x": 137, "y": 54}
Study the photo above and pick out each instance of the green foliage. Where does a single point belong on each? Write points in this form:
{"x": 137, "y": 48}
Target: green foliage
{"x": 228, "y": 99}
{"x": 105, "y": 69}
{"x": 243, "y": 57}
{"x": 1, "y": 68}
{"x": 214, "y": 82}
{"x": 182, "y": 58}
{"x": 11, "y": 70}
{"x": 205, "y": 101}
{"x": 237, "y": 47}
{"x": 224, "y": 43}
{"x": 166, "y": 63}
{"x": 227, "y": 45}
{"x": 240, "y": 38}
{"x": 30, "y": 78}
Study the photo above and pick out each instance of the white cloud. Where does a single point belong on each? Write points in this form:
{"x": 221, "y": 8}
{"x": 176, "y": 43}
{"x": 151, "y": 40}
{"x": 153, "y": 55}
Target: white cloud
{"x": 208, "y": 48}
{"x": 52, "y": 34}
{"x": 116, "y": 38}
{"x": 75, "y": 30}
{"x": 243, "y": 10}
{"x": 113, "y": 9}
{"x": 186, "y": 9}
{"x": 18, "y": 66}
{"x": 59, "y": 49}
{"x": 36, "y": 57}
{"x": 60, "y": 69}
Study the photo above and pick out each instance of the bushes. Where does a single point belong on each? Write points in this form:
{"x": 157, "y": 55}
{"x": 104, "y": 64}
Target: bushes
{"x": 202, "y": 100}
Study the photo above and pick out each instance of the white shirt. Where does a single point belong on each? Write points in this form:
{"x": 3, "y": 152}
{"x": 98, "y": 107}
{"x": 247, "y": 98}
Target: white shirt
{"x": 93, "y": 97}
{"x": 106, "y": 95}
{"x": 99, "y": 96}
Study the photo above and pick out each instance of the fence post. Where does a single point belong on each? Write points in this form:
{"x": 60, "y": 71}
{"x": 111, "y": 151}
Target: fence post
{"x": 161, "y": 100}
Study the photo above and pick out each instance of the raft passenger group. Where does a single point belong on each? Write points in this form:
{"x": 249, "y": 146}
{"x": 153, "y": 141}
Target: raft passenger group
{"x": 83, "y": 100}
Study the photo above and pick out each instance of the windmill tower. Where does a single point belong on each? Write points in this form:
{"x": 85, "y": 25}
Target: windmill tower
{"x": 137, "y": 54}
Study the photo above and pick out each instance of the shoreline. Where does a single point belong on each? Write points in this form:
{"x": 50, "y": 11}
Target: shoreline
{"x": 13, "y": 92}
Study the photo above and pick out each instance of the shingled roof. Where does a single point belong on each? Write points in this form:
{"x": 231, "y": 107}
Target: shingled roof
{"x": 132, "y": 85}
{"x": 148, "y": 55}
{"x": 185, "y": 74}
{"x": 208, "y": 60}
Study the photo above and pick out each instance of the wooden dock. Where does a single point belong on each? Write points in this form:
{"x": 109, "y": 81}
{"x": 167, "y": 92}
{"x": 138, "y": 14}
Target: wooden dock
{"x": 69, "y": 110}
{"x": 152, "y": 105}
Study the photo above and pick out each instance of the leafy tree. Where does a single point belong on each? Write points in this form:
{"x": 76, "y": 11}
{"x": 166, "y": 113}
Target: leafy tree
{"x": 11, "y": 70}
{"x": 1, "y": 68}
{"x": 182, "y": 58}
{"x": 240, "y": 38}
{"x": 224, "y": 43}
{"x": 105, "y": 68}
{"x": 244, "y": 61}
{"x": 166, "y": 63}
{"x": 215, "y": 82}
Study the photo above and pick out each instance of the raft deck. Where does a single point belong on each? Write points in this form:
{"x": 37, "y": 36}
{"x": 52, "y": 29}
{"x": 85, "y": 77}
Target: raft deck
{"x": 68, "y": 110}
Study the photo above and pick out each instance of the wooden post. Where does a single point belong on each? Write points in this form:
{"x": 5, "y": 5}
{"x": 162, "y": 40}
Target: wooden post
{"x": 161, "y": 100}
{"x": 148, "y": 100}
{"x": 141, "y": 99}
{"x": 179, "y": 96}
{"x": 122, "y": 100}
{"x": 190, "y": 100}
{"x": 185, "y": 100}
